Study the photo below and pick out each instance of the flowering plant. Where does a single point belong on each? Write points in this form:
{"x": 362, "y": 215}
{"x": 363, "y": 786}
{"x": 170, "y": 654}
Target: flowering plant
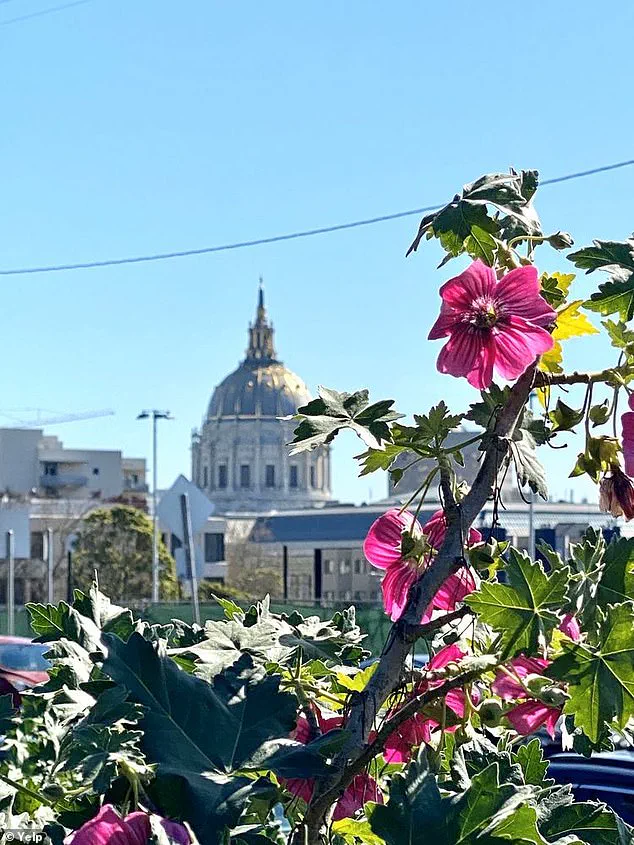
{"x": 271, "y": 727}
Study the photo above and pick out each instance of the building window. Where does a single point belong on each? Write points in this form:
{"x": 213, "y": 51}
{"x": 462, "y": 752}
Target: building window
{"x": 347, "y": 596}
{"x": 294, "y": 476}
{"x": 95, "y": 470}
{"x": 175, "y": 544}
{"x": 329, "y": 595}
{"x": 222, "y": 476}
{"x": 269, "y": 475}
{"x": 245, "y": 475}
{"x": 50, "y": 468}
{"x": 358, "y": 566}
{"x": 37, "y": 545}
{"x": 214, "y": 548}
{"x": 313, "y": 476}
{"x": 205, "y": 477}
{"x": 344, "y": 566}
{"x": 329, "y": 567}
{"x": 359, "y": 595}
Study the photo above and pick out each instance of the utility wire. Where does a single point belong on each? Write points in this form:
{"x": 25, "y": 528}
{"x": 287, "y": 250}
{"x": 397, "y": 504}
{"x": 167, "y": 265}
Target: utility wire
{"x": 162, "y": 256}
{"x": 39, "y": 14}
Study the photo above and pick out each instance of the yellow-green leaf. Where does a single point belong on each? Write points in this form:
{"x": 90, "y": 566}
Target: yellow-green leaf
{"x": 571, "y": 323}
{"x": 356, "y": 682}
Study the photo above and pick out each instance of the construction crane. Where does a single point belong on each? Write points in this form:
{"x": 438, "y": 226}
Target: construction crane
{"x": 56, "y": 420}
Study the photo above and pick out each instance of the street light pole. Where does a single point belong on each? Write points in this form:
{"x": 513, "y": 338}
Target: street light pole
{"x": 155, "y": 415}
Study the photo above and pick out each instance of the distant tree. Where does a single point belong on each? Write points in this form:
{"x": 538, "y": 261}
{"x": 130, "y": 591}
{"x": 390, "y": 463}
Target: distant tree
{"x": 116, "y": 542}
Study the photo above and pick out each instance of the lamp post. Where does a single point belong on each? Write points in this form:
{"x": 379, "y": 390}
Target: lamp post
{"x": 155, "y": 415}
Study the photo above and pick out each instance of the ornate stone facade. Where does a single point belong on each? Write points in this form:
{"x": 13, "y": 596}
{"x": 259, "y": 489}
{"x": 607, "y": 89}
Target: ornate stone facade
{"x": 240, "y": 457}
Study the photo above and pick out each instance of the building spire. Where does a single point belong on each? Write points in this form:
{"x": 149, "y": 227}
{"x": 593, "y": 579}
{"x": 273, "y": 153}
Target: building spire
{"x": 261, "y": 333}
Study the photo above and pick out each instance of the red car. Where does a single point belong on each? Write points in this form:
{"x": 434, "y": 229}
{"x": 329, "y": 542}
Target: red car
{"x": 22, "y": 664}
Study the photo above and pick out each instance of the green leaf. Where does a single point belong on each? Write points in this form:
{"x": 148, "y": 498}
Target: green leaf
{"x": 338, "y": 639}
{"x": 593, "y": 823}
{"x": 600, "y": 678}
{"x": 480, "y": 244}
{"x": 107, "y": 616}
{"x": 531, "y": 758}
{"x": 528, "y": 469}
{"x": 616, "y": 583}
{"x": 620, "y": 336}
{"x": 477, "y": 807}
{"x": 352, "y": 830}
{"x": 614, "y": 297}
{"x": 322, "y": 419}
{"x": 7, "y": 713}
{"x": 226, "y": 642}
{"x": 198, "y": 733}
{"x": 484, "y": 413}
{"x": 414, "y": 805}
{"x": 617, "y": 294}
{"x": 383, "y": 459}
{"x": 565, "y": 418}
{"x": 604, "y": 254}
{"x": 471, "y": 222}
{"x": 52, "y": 623}
{"x": 519, "y": 826}
{"x": 600, "y": 414}
{"x": 524, "y": 610}
{"x": 437, "y": 423}
{"x": 555, "y": 287}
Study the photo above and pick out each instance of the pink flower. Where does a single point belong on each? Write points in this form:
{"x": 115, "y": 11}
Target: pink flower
{"x": 627, "y": 422}
{"x": 532, "y": 713}
{"x": 383, "y": 544}
{"x": 362, "y": 789}
{"x": 528, "y": 717}
{"x": 492, "y": 323}
{"x": 570, "y": 627}
{"x": 109, "y": 828}
{"x": 383, "y": 548}
{"x": 419, "y": 728}
{"x": 616, "y": 494}
{"x": 508, "y": 684}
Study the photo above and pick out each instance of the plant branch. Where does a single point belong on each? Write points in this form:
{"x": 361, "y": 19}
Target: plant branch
{"x": 413, "y": 706}
{"x": 550, "y": 380}
{"x": 367, "y": 704}
{"x": 416, "y": 632}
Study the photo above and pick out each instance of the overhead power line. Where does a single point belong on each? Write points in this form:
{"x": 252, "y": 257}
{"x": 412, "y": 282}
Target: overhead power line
{"x": 307, "y": 233}
{"x": 41, "y": 12}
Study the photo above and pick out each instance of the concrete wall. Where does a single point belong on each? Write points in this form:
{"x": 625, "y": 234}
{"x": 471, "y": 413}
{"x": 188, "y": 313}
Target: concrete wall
{"x": 19, "y": 463}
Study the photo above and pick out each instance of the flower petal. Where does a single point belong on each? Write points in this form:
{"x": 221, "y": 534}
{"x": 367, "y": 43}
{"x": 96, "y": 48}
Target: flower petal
{"x": 382, "y": 545}
{"x": 469, "y": 352}
{"x": 570, "y": 627}
{"x": 517, "y": 344}
{"x": 454, "y": 589}
{"x": 447, "y": 320}
{"x": 395, "y": 585}
{"x": 528, "y": 717}
{"x": 362, "y": 789}
{"x": 508, "y": 687}
{"x": 519, "y": 294}
{"x": 107, "y": 828}
{"x": 476, "y": 281}
{"x": 449, "y": 654}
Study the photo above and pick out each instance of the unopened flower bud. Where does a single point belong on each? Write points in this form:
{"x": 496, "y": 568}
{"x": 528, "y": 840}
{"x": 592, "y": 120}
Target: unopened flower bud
{"x": 490, "y": 712}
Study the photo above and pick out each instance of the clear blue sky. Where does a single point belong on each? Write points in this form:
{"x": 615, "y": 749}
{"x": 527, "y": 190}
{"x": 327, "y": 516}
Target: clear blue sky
{"x": 138, "y": 127}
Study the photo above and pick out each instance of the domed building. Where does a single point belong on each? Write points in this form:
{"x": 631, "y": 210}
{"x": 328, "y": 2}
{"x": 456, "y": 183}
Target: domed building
{"x": 240, "y": 456}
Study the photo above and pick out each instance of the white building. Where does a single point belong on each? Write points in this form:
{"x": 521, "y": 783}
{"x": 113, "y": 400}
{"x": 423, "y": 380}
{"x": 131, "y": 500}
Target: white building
{"x": 240, "y": 456}
{"x": 35, "y": 464}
